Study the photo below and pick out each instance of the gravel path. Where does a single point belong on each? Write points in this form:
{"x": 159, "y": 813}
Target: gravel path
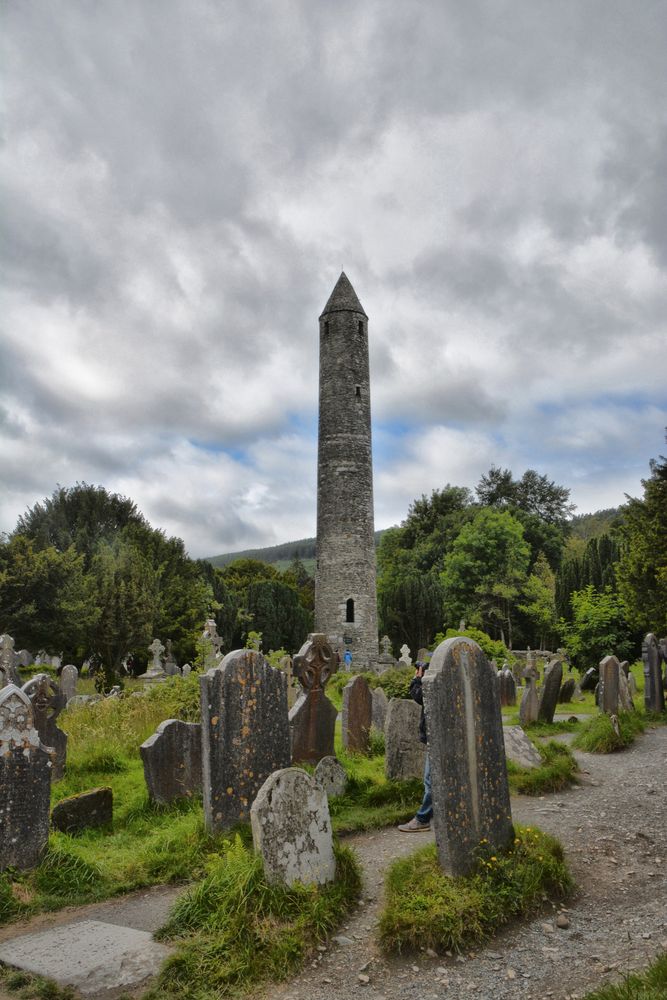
{"x": 613, "y": 830}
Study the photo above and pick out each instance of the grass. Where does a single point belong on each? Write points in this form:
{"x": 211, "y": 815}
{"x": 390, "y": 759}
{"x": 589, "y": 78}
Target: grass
{"x": 651, "y": 984}
{"x": 25, "y": 986}
{"x": 599, "y": 735}
{"x": 557, "y": 771}
{"x": 234, "y": 930}
{"x": 424, "y": 908}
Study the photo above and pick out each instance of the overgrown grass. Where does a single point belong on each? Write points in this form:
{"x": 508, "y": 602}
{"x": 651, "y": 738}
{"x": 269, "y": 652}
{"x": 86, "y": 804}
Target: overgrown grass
{"x": 600, "y": 736}
{"x": 651, "y": 984}
{"x": 424, "y": 908}
{"x": 25, "y": 986}
{"x": 557, "y": 771}
{"x": 235, "y": 930}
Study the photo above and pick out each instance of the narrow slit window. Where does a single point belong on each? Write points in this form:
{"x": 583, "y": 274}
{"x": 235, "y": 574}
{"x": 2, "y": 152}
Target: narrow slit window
{"x": 349, "y": 610}
{"x": 361, "y": 326}
{"x": 357, "y": 391}
{"x": 326, "y": 328}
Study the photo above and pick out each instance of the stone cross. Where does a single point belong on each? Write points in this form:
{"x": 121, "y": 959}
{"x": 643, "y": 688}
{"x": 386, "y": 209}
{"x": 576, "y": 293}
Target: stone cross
{"x": 405, "y": 655}
{"x": 25, "y": 783}
{"x": 213, "y": 642}
{"x": 47, "y": 703}
{"x": 245, "y": 734}
{"x": 385, "y": 645}
{"x": 8, "y": 658}
{"x": 312, "y": 719}
{"x": 654, "y": 695}
{"x": 471, "y": 801}
{"x": 357, "y": 715}
{"x": 156, "y": 649}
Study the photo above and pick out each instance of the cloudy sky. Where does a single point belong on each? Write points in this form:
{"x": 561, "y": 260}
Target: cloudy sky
{"x": 183, "y": 181}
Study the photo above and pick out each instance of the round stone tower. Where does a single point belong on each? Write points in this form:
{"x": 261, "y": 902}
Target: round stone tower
{"x": 345, "y": 598}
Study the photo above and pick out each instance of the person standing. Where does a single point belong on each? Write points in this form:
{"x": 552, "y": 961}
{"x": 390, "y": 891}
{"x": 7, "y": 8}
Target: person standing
{"x": 347, "y": 659}
{"x": 421, "y": 821}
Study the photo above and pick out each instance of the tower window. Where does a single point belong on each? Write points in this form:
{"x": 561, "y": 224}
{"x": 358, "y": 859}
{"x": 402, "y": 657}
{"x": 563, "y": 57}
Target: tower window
{"x": 349, "y": 610}
{"x": 361, "y": 326}
{"x": 326, "y": 328}
{"x": 357, "y": 391}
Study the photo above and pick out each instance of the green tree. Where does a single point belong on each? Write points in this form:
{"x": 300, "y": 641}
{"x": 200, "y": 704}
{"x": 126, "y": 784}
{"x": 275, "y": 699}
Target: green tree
{"x": 484, "y": 571}
{"x": 539, "y": 599}
{"x": 276, "y": 612}
{"x": 411, "y": 611}
{"x": 533, "y": 493}
{"x": 598, "y": 628}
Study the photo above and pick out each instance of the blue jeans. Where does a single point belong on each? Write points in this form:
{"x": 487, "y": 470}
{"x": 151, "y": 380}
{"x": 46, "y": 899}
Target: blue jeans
{"x": 425, "y": 811}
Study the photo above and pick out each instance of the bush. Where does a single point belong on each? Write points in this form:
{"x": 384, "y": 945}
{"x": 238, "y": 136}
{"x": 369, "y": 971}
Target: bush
{"x": 493, "y": 649}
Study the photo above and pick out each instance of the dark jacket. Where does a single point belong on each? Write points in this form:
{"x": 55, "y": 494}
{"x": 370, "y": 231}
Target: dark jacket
{"x": 417, "y": 695}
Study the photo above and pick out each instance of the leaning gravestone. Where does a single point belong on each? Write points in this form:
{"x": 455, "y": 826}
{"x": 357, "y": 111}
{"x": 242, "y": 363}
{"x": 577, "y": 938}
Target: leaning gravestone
{"x": 172, "y": 761}
{"x": 553, "y": 676}
{"x": 507, "y": 686}
{"x": 8, "y": 662}
{"x": 331, "y": 776}
{"x": 404, "y": 752}
{"x": 89, "y": 810}
{"x": 291, "y": 828}
{"x": 519, "y": 749}
{"x": 245, "y": 734}
{"x": 530, "y": 703}
{"x": 654, "y": 695}
{"x": 69, "y": 675}
{"x": 567, "y": 690}
{"x": 312, "y": 719}
{"x": 380, "y": 705}
{"x": 357, "y": 715}
{"x": 47, "y": 704}
{"x": 471, "y": 800}
{"x": 25, "y": 783}
{"x": 608, "y": 692}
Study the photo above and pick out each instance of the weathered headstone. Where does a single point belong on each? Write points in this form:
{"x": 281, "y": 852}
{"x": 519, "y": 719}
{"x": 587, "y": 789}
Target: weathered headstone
{"x": 471, "y": 799}
{"x": 24, "y": 658}
{"x": 313, "y": 717}
{"x": 624, "y": 697}
{"x": 172, "y": 761}
{"x": 212, "y": 643}
{"x": 357, "y": 714}
{"x": 380, "y": 705}
{"x": 9, "y": 673}
{"x": 530, "y": 703}
{"x": 245, "y": 734}
{"x": 608, "y": 690}
{"x": 186, "y": 669}
{"x": 291, "y": 829}
{"x": 69, "y": 676}
{"x": 625, "y": 667}
{"x": 632, "y": 685}
{"x": 403, "y": 750}
{"x": 331, "y": 776}
{"x": 386, "y": 658}
{"x": 405, "y": 655}
{"x": 155, "y": 670}
{"x": 507, "y": 686}
{"x": 170, "y": 664}
{"x": 47, "y": 704}
{"x": 567, "y": 690}
{"x": 654, "y": 695}
{"x": 292, "y": 693}
{"x": 553, "y": 676}
{"x": 88, "y": 810}
{"x": 25, "y": 783}
{"x": 519, "y": 748}
{"x": 590, "y": 679}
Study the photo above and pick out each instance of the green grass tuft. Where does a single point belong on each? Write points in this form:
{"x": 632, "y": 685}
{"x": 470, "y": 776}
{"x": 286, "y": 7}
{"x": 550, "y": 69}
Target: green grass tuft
{"x": 424, "y": 908}
{"x": 599, "y": 735}
{"x": 28, "y": 987}
{"x": 557, "y": 771}
{"x": 651, "y": 984}
{"x": 234, "y": 929}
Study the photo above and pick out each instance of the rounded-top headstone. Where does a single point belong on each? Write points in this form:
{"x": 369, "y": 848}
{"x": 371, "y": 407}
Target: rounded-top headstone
{"x": 331, "y": 776}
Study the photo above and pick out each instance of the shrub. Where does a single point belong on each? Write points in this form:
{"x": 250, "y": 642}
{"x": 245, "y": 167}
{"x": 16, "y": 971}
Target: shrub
{"x": 600, "y": 736}
{"x": 493, "y": 649}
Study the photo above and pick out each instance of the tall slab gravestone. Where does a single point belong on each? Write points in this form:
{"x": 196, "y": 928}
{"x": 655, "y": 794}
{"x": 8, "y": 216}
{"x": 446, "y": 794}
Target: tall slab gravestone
{"x": 608, "y": 691}
{"x": 530, "y": 702}
{"x": 380, "y": 706}
{"x": 69, "y": 676}
{"x": 47, "y": 703}
{"x": 507, "y": 686}
{"x": 245, "y": 734}
{"x": 553, "y": 677}
{"x": 654, "y": 694}
{"x": 172, "y": 761}
{"x": 404, "y": 752}
{"x": 357, "y": 715}
{"x": 9, "y": 673}
{"x": 25, "y": 783}
{"x": 312, "y": 719}
{"x": 471, "y": 800}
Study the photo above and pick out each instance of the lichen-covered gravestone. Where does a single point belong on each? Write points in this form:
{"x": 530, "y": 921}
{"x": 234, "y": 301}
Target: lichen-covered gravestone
{"x": 608, "y": 692}
{"x": 25, "y": 783}
{"x": 312, "y": 719}
{"x": 380, "y": 705}
{"x": 88, "y": 810}
{"x": 172, "y": 761}
{"x": 291, "y": 828}
{"x": 331, "y": 776}
{"x": 654, "y": 695}
{"x": 404, "y": 752}
{"x": 47, "y": 704}
{"x": 471, "y": 800}
{"x": 69, "y": 676}
{"x": 530, "y": 703}
{"x": 245, "y": 734}
{"x": 357, "y": 715}
{"x": 8, "y": 662}
{"x": 553, "y": 676}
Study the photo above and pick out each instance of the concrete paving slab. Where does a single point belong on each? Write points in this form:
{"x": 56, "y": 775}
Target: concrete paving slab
{"x": 89, "y": 955}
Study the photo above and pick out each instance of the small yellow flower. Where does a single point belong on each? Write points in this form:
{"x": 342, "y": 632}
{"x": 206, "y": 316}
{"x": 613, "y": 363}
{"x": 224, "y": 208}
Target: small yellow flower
{"x": 493, "y": 857}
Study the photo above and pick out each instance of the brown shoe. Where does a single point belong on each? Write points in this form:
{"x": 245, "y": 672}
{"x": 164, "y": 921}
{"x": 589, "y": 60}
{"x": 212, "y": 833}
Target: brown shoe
{"x": 414, "y": 826}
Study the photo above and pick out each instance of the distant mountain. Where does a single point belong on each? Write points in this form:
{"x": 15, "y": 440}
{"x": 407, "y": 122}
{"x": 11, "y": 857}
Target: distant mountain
{"x": 279, "y": 555}
{"x": 587, "y": 526}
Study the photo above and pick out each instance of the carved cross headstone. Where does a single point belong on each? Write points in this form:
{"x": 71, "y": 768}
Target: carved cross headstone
{"x": 654, "y": 695}
{"x": 47, "y": 703}
{"x": 8, "y": 659}
{"x": 313, "y": 717}
{"x": 25, "y": 783}
{"x": 155, "y": 670}
{"x": 405, "y": 655}
{"x": 213, "y": 643}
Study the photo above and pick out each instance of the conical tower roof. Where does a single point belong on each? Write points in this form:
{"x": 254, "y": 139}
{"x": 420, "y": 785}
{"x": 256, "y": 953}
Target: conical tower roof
{"x": 343, "y": 298}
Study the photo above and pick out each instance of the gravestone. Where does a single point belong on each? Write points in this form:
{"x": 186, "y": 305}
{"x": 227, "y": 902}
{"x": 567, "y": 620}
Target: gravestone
{"x": 170, "y": 664}
{"x": 9, "y": 673}
{"x": 313, "y": 717}
{"x": 291, "y": 829}
{"x": 25, "y": 783}
{"x": 69, "y": 676}
{"x": 357, "y": 715}
{"x": 530, "y": 703}
{"x": 212, "y": 644}
{"x": 186, "y": 670}
{"x": 292, "y": 693}
{"x": 654, "y": 695}
{"x": 590, "y": 679}
{"x": 405, "y": 655}
{"x": 608, "y": 690}
{"x": 625, "y": 667}
{"x": 404, "y": 752}
{"x": 380, "y": 705}
{"x": 24, "y": 658}
{"x": 507, "y": 686}
{"x": 85, "y": 811}
{"x": 245, "y": 734}
{"x": 47, "y": 704}
{"x": 386, "y": 658}
{"x": 567, "y": 690}
{"x": 624, "y": 697}
{"x": 471, "y": 799}
{"x": 519, "y": 749}
{"x": 172, "y": 761}
{"x": 632, "y": 685}
{"x": 331, "y": 776}
{"x": 553, "y": 676}
{"x": 155, "y": 670}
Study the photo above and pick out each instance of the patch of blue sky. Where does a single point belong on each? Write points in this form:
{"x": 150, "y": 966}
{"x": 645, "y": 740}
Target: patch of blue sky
{"x": 239, "y": 455}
